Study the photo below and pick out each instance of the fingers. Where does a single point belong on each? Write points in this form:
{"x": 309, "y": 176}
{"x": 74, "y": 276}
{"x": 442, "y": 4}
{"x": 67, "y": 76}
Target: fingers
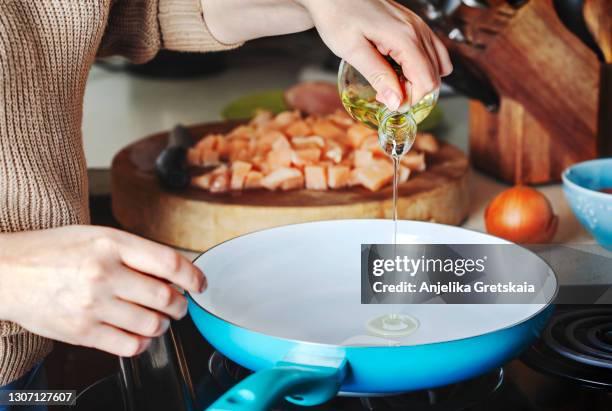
{"x": 133, "y": 318}
{"x": 444, "y": 61}
{"x": 372, "y": 65}
{"x": 115, "y": 341}
{"x": 417, "y": 65}
{"x": 149, "y": 292}
{"x": 160, "y": 261}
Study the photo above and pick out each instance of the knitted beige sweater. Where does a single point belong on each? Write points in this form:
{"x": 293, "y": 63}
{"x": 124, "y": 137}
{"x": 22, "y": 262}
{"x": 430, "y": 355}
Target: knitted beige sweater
{"x": 46, "y": 50}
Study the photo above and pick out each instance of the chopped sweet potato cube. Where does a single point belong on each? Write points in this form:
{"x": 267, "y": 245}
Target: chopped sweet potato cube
{"x": 404, "y": 174}
{"x": 208, "y": 142}
{"x": 426, "y": 142}
{"x": 262, "y": 118}
{"x": 223, "y": 147}
{"x": 284, "y": 178}
{"x": 285, "y": 119}
{"x": 220, "y": 182}
{"x": 306, "y": 156}
{"x": 242, "y": 131}
{"x": 193, "y": 157}
{"x": 202, "y": 181}
{"x": 375, "y": 176}
{"x": 341, "y": 119}
{"x": 327, "y": 129}
{"x": 315, "y": 177}
{"x": 338, "y": 176}
{"x": 414, "y": 161}
{"x": 253, "y": 180}
{"x": 308, "y": 142}
{"x": 333, "y": 151}
{"x": 363, "y": 158}
{"x": 298, "y": 129}
{"x": 353, "y": 178}
{"x": 357, "y": 133}
{"x": 240, "y": 170}
{"x": 279, "y": 158}
{"x": 281, "y": 142}
{"x": 209, "y": 158}
{"x": 371, "y": 143}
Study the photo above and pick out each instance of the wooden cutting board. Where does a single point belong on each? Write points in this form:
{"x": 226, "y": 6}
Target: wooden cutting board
{"x": 197, "y": 220}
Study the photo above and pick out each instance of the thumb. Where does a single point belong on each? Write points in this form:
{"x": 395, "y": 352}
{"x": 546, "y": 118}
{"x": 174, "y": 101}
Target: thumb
{"x": 379, "y": 73}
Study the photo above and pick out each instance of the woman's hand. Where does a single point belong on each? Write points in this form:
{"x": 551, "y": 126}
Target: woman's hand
{"x": 359, "y": 31}
{"x": 93, "y": 286}
{"x": 363, "y": 31}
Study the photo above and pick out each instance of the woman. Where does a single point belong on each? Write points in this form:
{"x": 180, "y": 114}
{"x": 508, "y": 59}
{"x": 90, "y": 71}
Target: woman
{"x": 63, "y": 279}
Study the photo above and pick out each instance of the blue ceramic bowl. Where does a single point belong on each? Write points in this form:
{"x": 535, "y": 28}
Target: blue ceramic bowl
{"x": 582, "y": 185}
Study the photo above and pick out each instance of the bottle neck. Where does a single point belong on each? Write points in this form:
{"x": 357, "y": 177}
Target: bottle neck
{"x": 396, "y": 131}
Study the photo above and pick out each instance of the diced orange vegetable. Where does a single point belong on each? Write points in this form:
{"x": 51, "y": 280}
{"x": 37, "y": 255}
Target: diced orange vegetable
{"x": 426, "y": 142}
{"x": 288, "y": 151}
{"x": 262, "y": 118}
{"x": 357, "y": 133}
{"x": 220, "y": 182}
{"x": 240, "y": 170}
{"x": 308, "y": 142}
{"x": 281, "y": 142}
{"x": 253, "y": 180}
{"x": 354, "y": 178}
{"x": 404, "y": 174}
{"x": 279, "y": 158}
{"x": 363, "y": 158}
{"x": 294, "y": 183}
{"x": 298, "y": 129}
{"x": 284, "y": 178}
{"x": 333, "y": 151}
{"x": 242, "y": 131}
{"x": 341, "y": 119}
{"x": 375, "y": 176}
{"x": 306, "y": 156}
{"x": 193, "y": 157}
{"x": 414, "y": 161}
{"x": 209, "y": 158}
{"x": 285, "y": 119}
{"x": 202, "y": 181}
{"x": 223, "y": 147}
{"x": 371, "y": 143}
{"x": 338, "y": 176}
{"x": 315, "y": 178}
{"x": 327, "y": 129}
{"x": 208, "y": 142}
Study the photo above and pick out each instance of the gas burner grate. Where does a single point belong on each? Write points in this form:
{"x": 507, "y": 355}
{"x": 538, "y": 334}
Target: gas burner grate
{"x": 462, "y": 396}
{"x": 584, "y": 336}
{"x": 577, "y": 344}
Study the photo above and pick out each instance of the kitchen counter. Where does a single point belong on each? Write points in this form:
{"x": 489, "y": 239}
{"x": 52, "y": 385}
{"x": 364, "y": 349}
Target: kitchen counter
{"x": 121, "y": 108}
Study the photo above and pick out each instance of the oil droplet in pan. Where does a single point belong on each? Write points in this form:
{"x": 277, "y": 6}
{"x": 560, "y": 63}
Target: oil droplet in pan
{"x": 393, "y": 325}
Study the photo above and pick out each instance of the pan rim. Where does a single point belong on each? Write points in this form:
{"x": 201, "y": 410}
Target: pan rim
{"x": 548, "y": 305}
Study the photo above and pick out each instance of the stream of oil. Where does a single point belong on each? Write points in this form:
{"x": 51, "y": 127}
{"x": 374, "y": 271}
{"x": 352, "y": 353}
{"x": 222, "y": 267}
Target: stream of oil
{"x": 394, "y": 324}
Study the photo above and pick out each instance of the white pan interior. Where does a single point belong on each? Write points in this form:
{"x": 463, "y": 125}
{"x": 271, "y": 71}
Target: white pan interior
{"x": 302, "y": 282}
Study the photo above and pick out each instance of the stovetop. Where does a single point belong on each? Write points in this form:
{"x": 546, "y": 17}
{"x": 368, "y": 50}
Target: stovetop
{"x": 569, "y": 368}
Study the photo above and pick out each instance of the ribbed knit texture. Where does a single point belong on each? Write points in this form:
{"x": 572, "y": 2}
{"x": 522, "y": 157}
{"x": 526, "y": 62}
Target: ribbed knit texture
{"x": 46, "y": 50}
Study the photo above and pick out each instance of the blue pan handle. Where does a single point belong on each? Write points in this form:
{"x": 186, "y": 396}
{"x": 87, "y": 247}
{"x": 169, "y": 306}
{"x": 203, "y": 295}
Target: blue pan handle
{"x": 300, "y": 384}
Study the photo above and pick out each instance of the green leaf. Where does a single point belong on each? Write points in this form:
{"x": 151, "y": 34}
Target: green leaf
{"x": 245, "y": 107}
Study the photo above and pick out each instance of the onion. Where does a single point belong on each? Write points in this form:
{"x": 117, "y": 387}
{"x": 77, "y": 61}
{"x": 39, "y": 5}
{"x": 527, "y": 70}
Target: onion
{"x": 522, "y": 215}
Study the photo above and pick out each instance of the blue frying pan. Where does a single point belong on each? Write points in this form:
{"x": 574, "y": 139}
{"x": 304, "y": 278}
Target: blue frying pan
{"x": 285, "y": 302}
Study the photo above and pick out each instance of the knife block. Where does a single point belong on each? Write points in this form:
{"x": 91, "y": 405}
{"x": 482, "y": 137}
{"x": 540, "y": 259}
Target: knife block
{"x": 548, "y": 83}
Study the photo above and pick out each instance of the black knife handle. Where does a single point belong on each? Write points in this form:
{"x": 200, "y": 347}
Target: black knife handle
{"x": 171, "y": 164}
{"x": 465, "y": 80}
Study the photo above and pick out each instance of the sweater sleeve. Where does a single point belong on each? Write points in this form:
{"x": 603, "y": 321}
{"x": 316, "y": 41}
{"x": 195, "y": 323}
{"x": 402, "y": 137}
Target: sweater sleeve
{"x": 138, "y": 29}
